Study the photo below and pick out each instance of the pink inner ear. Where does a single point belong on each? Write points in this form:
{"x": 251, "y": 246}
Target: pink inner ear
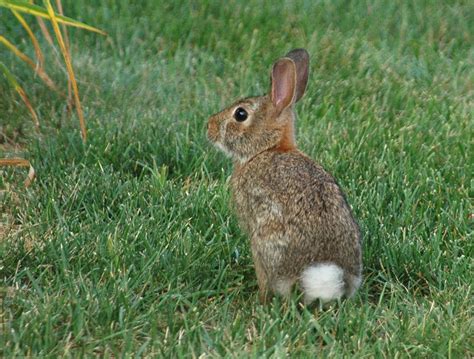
{"x": 283, "y": 83}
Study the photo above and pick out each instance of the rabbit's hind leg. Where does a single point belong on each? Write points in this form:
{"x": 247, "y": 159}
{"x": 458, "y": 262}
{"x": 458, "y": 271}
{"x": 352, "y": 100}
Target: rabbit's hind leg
{"x": 264, "y": 289}
{"x": 283, "y": 286}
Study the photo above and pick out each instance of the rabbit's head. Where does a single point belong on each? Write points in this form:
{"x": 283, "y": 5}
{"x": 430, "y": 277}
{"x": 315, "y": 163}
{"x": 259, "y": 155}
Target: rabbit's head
{"x": 256, "y": 124}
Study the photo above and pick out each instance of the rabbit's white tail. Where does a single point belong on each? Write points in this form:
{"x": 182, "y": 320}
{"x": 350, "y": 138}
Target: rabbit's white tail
{"x": 324, "y": 281}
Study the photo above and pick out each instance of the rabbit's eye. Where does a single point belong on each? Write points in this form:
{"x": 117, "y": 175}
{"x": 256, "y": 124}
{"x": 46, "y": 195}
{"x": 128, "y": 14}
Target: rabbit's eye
{"x": 240, "y": 114}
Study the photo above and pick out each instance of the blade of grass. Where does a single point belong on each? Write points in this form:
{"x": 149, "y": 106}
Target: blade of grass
{"x": 70, "y": 98}
{"x": 49, "y": 39}
{"x": 45, "y": 31}
{"x": 15, "y": 162}
{"x": 20, "y": 162}
{"x": 31, "y": 176}
{"x": 34, "y": 41}
{"x": 63, "y": 26}
{"x": 32, "y": 9}
{"x": 38, "y": 70}
{"x": 38, "y": 52}
{"x": 16, "y": 86}
{"x": 67, "y": 60}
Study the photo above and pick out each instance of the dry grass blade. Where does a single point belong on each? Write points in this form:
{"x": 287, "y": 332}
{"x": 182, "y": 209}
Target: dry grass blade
{"x": 32, "y": 9}
{"x": 49, "y": 39}
{"x": 20, "y": 162}
{"x": 16, "y": 86}
{"x": 15, "y": 162}
{"x": 45, "y": 31}
{"x": 39, "y": 70}
{"x": 34, "y": 41}
{"x": 31, "y": 176}
{"x": 28, "y": 105}
{"x": 67, "y": 60}
{"x": 63, "y": 26}
{"x": 70, "y": 98}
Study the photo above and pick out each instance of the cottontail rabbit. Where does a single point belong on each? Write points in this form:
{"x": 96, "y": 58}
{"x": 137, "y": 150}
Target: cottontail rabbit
{"x": 300, "y": 226}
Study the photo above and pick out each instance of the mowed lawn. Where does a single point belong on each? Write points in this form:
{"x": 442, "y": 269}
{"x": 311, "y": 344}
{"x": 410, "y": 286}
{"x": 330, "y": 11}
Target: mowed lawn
{"x": 128, "y": 246}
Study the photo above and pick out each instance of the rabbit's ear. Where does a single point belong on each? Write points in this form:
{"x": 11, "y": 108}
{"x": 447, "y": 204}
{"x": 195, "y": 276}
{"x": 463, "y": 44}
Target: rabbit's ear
{"x": 283, "y": 83}
{"x": 301, "y": 59}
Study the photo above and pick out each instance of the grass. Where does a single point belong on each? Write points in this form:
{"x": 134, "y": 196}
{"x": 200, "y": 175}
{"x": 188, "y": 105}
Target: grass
{"x": 127, "y": 246}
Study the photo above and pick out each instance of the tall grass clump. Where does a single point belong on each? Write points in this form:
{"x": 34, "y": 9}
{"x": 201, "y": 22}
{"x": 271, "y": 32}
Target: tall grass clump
{"x": 38, "y": 65}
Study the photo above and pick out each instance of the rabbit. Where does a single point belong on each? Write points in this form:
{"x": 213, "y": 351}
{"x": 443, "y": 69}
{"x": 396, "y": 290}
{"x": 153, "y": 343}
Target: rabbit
{"x": 300, "y": 226}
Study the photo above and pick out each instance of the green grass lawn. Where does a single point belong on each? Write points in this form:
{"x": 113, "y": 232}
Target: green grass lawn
{"x": 127, "y": 245}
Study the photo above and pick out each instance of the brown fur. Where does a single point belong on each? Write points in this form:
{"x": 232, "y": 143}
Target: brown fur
{"x": 287, "y": 141}
{"x": 292, "y": 209}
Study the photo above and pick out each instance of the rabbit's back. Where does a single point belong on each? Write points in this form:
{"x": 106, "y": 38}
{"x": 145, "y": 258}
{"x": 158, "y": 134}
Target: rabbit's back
{"x": 292, "y": 202}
